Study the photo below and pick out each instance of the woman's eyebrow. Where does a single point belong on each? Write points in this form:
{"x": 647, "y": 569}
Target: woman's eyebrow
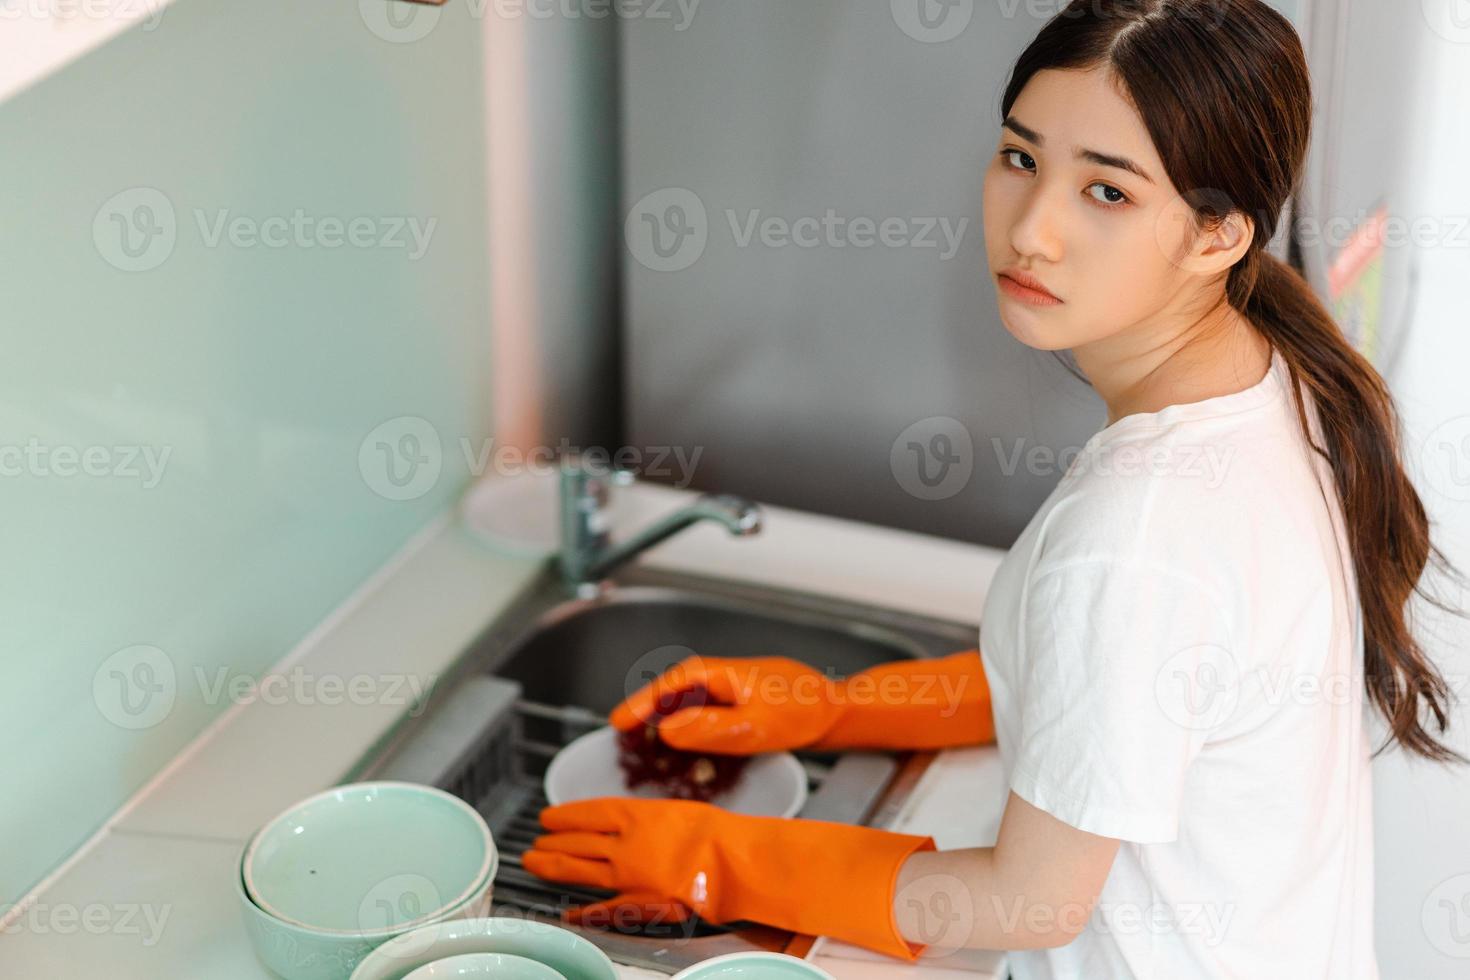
{"x": 1102, "y": 159}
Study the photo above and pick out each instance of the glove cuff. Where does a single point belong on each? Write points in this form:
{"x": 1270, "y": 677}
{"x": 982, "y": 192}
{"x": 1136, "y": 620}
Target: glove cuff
{"x": 924, "y": 703}
{"x": 821, "y": 878}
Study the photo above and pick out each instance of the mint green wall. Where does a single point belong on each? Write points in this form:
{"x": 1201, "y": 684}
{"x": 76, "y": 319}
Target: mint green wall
{"x": 258, "y": 370}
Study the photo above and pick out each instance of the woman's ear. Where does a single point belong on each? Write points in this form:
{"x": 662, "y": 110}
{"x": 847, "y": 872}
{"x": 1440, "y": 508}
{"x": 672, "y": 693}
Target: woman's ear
{"x": 1210, "y": 251}
{"x": 1219, "y": 249}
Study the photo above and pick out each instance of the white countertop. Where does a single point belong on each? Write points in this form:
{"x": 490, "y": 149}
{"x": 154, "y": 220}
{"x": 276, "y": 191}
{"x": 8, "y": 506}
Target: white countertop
{"x": 149, "y": 895}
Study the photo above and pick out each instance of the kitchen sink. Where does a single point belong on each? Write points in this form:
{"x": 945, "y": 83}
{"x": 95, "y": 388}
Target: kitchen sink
{"x": 551, "y": 669}
{"x": 594, "y": 653}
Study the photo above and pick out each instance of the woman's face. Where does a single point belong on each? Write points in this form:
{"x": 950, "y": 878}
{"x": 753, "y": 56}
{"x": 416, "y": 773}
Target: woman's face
{"x": 1109, "y": 243}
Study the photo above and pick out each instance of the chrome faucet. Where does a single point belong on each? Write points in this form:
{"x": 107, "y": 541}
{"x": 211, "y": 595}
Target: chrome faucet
{"x": 587, "y": 554}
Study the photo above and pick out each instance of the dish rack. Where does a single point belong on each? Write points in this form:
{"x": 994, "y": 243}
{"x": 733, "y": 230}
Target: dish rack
{"x": 489, "y": 745}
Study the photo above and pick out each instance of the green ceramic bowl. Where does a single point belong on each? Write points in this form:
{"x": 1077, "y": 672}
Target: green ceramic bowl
{"x": 561, "y": 949}
{"x": 300, "y": 953}
{"x": 304, "y": 954}
{"x": 485, "y": 966}
{"x": 369, "y": 858}
{"x": 753, "y": 966}
{"x": 295, "y": 953}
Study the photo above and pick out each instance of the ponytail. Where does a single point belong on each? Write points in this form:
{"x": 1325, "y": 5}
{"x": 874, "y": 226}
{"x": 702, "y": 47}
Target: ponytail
{"x": 1386, "y": 524}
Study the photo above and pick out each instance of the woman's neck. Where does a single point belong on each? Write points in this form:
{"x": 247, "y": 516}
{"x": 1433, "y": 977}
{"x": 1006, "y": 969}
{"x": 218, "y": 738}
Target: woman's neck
{"x": 1145, "y": 371}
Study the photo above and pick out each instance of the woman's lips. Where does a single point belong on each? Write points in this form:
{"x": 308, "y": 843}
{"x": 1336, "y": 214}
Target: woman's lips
{"x": 1024, "y": 293}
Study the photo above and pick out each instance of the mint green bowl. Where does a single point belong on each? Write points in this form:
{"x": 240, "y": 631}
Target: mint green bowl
{"x": 304, "y": 954}
{"x": 478, "y": 966}
{"x": 753, "y": 966}
{"x": 561, "y": 949}
{"x": 295, "y": 953}
{"x": 368, "y": 858}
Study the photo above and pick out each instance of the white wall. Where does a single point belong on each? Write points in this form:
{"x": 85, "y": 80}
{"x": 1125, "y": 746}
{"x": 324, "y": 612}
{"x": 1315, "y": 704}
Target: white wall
{"x": 1423, "y": 811}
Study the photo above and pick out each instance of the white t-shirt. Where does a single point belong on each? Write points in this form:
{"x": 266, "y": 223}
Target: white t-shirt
{"x": 1174, "y": 649}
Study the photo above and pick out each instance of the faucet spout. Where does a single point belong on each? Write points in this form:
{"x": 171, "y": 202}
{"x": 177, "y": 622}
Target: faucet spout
{"x": 587, "y": 555}
{"x": 739, "y": 516}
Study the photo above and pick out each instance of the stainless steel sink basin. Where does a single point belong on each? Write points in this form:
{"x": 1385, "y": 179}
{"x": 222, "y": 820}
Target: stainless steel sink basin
{"x": 595, "y": 652}
{"x": 551, "y": 668}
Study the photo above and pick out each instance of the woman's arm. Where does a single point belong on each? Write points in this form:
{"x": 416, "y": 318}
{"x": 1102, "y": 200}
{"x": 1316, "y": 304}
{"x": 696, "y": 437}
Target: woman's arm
{"x": 1034, "y": 889}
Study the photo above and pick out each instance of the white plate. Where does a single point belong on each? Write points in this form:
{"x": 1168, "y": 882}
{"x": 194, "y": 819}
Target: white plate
{"x": 772, "y": 785}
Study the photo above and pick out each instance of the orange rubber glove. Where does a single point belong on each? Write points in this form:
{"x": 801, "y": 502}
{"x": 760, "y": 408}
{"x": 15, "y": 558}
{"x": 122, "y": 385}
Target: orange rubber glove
{"x": 777, "y": 703}
{"x": 678, "y": 857}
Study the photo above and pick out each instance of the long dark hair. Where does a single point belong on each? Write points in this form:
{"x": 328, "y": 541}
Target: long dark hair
{"x": 1224, "y": 90}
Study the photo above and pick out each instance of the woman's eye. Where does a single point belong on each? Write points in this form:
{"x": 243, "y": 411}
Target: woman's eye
{"x": 1020, "y": 153}
{"x": 1111, "y": 196}
{"x": 1108, "y": 201}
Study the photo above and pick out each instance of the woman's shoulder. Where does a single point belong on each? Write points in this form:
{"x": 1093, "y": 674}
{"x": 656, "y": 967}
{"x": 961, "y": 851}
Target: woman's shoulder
{"x": 1192, "y": 496}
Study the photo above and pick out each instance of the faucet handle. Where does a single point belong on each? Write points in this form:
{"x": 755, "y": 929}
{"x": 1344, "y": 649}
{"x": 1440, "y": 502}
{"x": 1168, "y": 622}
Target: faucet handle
{"x": 582, "y": 475}
{"x": 585, "y": 520}
{"x": 584, "y": 497}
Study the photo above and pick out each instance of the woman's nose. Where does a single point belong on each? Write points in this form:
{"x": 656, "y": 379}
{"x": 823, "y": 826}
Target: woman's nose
{"x": 1036, "y": 231}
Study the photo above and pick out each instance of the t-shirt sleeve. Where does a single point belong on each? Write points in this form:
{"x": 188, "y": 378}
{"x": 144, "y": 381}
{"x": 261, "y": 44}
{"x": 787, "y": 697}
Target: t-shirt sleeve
{"x": 1127, "y": 668}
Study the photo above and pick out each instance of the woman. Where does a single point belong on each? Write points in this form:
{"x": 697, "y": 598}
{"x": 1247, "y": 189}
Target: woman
{"x": 1174, "y": 654}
